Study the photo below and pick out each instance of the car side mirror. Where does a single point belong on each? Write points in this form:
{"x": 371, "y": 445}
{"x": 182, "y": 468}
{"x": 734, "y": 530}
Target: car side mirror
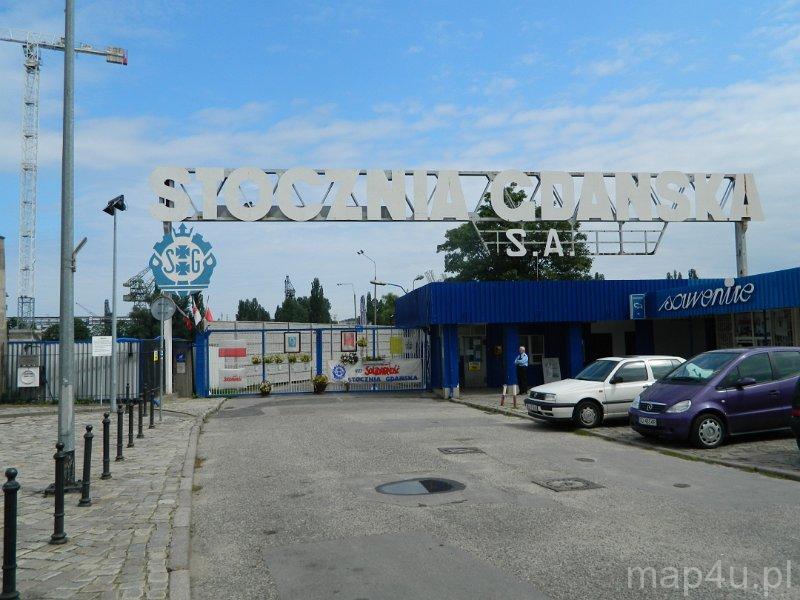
{"x": 616, "y": 379}
{"x": 743, "y": 382}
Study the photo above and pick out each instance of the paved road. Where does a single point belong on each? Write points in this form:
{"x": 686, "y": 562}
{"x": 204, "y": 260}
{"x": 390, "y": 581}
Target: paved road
{"x": 285, "y": 507}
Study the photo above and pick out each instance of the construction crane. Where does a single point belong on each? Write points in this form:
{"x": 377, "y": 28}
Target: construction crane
{"x": 288, "y": 288}
{"x": 142, "y": 285}
{"x": 32, "y": 46}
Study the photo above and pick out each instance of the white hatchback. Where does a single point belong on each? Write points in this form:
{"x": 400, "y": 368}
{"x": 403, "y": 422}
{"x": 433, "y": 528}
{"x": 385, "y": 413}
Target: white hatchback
{"x": 604, "y": 389}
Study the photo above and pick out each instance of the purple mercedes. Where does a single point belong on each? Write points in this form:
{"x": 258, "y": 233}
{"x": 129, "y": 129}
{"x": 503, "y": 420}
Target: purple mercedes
{"x": 720, "y": 393}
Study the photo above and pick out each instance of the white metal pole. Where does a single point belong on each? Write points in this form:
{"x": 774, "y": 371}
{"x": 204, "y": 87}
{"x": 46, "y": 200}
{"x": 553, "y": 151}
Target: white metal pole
{"x": 740, "y": 234}
{"x": 114, "y": 319}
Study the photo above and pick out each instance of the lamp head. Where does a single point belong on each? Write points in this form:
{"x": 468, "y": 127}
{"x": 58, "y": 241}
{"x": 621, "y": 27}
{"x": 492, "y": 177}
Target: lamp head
{"x": 114, "y": 205}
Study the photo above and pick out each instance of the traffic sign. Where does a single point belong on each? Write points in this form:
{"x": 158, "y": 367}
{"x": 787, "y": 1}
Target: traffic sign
{"x": 162, "y": 308}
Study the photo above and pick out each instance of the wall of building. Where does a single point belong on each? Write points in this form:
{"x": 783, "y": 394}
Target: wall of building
{"x": 617, "y": 329}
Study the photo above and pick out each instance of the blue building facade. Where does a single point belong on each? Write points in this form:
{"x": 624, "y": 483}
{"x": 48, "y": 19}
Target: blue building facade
{"x": 475, "y": 328}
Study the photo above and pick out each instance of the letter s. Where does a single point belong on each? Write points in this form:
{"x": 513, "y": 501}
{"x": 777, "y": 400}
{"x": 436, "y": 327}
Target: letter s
{"x": 515, "y": 237}
{"x": 181, "y": 204}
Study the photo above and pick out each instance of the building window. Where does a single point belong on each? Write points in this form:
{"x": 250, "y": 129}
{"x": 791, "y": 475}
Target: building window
{"x": 534, "y": 348}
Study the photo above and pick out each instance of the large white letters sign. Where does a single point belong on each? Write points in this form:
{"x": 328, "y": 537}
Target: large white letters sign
{"x": 420, "y": 195}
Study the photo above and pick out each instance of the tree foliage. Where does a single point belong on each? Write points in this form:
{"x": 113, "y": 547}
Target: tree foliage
{"x": 386, "y": 306}
{"x": 315, "y": 308}
{"x": 82, "y": 331}
{"x": 319, "y": 307}
{"x": 467, "y": 259}
{"x": 251, "y": 310}
{"x": 678, "y": 275}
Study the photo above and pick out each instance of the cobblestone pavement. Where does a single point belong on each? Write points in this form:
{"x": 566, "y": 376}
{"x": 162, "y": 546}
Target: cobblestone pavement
{"x": 776, "y": 453}
{"x": 118, "y": 546}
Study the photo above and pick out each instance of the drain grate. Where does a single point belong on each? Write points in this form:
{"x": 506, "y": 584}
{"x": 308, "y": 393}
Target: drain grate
{"x": 568, "y": 484}
{"x": 419, "y": 486}
{"x": 461, "y": 450}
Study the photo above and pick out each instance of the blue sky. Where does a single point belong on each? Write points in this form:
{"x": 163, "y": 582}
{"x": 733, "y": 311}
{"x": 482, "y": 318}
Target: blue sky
{"x": 694, "y": 86}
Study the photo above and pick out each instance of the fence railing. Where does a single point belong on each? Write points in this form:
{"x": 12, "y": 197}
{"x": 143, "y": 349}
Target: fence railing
{"x": 92, "y": 373}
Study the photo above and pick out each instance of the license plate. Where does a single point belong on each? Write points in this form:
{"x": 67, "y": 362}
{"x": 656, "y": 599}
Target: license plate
{"x": 648, "y": 421}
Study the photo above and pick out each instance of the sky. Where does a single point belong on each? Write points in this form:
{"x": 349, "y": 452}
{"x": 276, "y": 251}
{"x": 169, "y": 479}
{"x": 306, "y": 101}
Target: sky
{"x": 709, "y": 86}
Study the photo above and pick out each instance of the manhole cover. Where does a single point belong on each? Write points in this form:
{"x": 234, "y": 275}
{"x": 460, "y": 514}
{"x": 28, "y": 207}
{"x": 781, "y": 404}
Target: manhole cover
{"x": 461, "y": 450}
{"x": 568, "y": 484}
{"x": 417, "y": 487}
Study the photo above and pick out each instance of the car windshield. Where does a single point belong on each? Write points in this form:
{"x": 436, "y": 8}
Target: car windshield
{"x": 597, "y": 371}
{"x": 701, "y": 368}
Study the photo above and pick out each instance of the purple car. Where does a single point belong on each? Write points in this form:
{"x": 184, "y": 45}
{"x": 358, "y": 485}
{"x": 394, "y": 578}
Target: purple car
{"x": 720, "y": 393}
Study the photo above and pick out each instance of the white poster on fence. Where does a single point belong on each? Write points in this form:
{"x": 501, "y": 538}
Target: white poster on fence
{"x": 233, "y": 378}
{"x": 385, "y": 371}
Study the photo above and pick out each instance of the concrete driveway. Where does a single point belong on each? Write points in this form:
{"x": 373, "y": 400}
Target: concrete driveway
{"x": 285, "y": 507}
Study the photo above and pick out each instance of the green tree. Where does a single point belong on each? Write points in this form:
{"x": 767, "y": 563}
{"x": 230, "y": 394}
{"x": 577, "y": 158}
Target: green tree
{"x": 467, "y": 259}
{"x": 319, "y": 307}
{"x": 82, "y": 331}
{"x": 140, "y": 325}
{"x": 251, "y": 310}
{"x": 386, "y": 309}
{"x": 293, "y": 310}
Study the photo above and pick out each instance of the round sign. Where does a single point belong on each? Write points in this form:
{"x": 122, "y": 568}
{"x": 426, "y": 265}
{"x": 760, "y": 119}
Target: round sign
{"x": 162, "y": 308}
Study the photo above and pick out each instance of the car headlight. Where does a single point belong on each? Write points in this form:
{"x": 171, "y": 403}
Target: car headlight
{"x": 549, "y": 397}
{"x": 680, "y": 407}
{"x": 635, "y": 403}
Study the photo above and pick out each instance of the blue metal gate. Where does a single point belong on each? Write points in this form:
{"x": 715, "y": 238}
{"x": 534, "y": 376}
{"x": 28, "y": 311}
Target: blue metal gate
{"x": 236, "y": 361}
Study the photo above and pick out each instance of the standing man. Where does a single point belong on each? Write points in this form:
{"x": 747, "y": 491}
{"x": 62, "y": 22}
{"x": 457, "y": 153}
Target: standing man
{"x": 521, "y": 362}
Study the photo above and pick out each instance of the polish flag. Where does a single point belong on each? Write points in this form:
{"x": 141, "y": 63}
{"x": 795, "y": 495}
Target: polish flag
{"x": 196, "y": 313}
{"x": 208, "y": 316}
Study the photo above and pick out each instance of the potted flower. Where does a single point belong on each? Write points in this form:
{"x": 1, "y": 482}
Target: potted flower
{"x": 269, "y": 359}
{"x": 292, "y": 359}
{"x": 348, "y": 358}
{"x": 265, "y": 388}
{"x": 320, "y": 383}
{"x": 306, "y": 358}
{"x": 256, "y": 360}
{"x": 278, "y": 359}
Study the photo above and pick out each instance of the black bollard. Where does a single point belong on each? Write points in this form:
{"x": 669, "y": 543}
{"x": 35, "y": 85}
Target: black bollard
{"x": 127, "y": 391}
{"x": 140, "y": 402}
{"x": 59, "y": 536}
{"x": 152, "y": 410}
{"x": 86, "y": 499}
{"x": 10, "y": 489}
{"x": 144, "y": 398}
{"x": 106, "y": 474}
{"x": 130, "y": 424}
{"x": 120, "y": 416}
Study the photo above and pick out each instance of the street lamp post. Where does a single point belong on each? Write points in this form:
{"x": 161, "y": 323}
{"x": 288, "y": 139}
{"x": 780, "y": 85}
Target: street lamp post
{"x": 66, "y": 342}
{"x": 114, "y": 206}
{"x": 397, "y": 285}
{"x": 355, "y": 312}
{"x": 414, "y": 283}
{"x": 374, "y": 288}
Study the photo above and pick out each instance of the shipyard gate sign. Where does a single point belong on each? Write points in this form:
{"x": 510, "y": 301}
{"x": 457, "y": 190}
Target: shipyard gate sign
{"x": 352, "y": 195}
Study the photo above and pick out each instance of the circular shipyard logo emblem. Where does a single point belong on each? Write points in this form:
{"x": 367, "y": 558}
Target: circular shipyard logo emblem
{"x": 182, "y": 262}
{"x": 339, "y": 372}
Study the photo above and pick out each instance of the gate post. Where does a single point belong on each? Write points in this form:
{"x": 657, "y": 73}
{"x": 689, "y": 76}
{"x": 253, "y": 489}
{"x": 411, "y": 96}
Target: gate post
{"x": 201, "y": 363}
{"x": 318, "y": 333}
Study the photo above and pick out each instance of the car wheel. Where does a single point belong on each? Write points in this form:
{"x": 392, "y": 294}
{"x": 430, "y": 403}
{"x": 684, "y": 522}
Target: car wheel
{"x": 708, "y": 431}
{"x": 587, "y": 414}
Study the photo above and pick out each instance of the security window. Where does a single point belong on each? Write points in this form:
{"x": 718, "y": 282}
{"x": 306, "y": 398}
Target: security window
{"x": 757, "y": 366}
{"x": 786, "y": 364}
{"x": 633, "y": 371}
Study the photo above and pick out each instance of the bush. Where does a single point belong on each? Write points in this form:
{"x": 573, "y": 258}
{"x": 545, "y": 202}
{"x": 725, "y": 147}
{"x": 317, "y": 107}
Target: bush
{"x": 256, "y": 360}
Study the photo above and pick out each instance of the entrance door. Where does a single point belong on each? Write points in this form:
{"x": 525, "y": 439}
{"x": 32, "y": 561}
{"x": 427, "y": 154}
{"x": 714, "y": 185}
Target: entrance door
{"x": 473, "y": 361}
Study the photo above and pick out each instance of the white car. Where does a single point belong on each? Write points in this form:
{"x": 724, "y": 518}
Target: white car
{"x": 604, "y": 389}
